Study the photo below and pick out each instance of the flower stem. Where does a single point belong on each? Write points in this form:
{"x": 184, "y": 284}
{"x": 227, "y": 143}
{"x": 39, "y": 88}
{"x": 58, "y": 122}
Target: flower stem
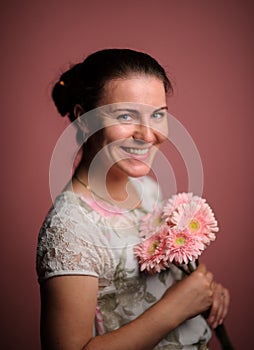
{"x": 223, "y": 338}
{"x": 191, "y": 268}
{"x": 180, "y": 267}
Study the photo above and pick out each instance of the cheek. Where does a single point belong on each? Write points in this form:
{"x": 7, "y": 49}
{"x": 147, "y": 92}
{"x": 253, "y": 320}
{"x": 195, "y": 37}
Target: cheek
{"x": 162, "y": 138}
{"x": 117, "y": 132}
{"x": 161, "y": 131}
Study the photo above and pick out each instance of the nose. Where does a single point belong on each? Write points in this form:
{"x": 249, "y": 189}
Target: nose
{"x": 144, "y": 133}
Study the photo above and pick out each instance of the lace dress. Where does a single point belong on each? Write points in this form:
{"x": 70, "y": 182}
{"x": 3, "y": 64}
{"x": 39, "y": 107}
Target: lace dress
{"x": 83, "y": 237}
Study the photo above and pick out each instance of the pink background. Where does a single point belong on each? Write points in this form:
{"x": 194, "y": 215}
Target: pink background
{"x": 208, "y": 48}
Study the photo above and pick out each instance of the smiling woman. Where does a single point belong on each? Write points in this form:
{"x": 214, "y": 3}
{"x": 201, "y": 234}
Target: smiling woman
{"x": 93, "y": 295}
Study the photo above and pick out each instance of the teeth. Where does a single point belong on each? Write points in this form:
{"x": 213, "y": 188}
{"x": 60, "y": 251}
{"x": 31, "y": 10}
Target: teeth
{"x": 136, "y": 150}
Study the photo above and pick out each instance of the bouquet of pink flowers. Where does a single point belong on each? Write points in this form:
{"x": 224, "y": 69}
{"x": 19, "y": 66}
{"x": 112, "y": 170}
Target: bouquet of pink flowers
{"x": 177, "y": 234}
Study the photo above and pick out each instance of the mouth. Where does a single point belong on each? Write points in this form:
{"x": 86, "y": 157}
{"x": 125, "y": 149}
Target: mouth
{"x": 136, "y": 151}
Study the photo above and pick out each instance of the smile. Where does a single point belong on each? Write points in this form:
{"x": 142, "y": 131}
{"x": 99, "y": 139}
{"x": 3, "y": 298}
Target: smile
{"x": 137, "y": 151}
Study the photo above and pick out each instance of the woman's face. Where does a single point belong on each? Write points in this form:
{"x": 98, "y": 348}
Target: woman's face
{"x": 134, "y": 117}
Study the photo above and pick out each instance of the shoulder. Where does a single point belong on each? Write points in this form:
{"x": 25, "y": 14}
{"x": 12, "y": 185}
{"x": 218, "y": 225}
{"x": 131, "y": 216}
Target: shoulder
{"x": 69, "y": 209}
{"x": 69, "y": 216}
{"x": 70, "y": 241}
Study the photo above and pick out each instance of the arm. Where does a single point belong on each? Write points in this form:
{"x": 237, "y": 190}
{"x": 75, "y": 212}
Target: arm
{"x": 68, "y": 305}
{"x": 67, "y": 311}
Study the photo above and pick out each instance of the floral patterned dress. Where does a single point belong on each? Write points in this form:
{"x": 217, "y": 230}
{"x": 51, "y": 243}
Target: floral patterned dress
{"x": 82, "y": 237}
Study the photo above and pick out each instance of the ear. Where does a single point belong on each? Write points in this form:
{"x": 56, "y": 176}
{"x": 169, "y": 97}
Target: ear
{"x": 78, "y": 112}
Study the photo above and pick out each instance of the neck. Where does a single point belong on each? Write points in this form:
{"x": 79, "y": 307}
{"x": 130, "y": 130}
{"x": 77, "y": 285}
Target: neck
{"x": 113, "y": 187}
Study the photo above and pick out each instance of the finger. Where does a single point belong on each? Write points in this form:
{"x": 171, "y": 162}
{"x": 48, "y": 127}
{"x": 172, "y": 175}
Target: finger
{"x": 226, "y": 299}
{"x": 219, "y": 307}
{"x": 201, "y": 268}
{"x": 213, "y": 315}
{"x": 210, "y": 280}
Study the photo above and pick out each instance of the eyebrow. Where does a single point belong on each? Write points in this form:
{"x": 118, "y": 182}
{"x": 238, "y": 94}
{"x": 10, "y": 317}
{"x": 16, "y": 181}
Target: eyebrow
{"x": 159, "y": 109}
{"x": 135, "y": 111}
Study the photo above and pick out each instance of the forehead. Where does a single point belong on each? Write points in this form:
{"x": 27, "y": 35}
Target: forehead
{"x": 143, "y": 89}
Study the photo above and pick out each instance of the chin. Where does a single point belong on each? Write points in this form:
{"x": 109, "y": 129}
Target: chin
{"x": 137, "y": 170}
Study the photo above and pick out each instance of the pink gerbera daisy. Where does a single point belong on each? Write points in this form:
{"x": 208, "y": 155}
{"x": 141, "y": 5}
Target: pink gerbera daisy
{"x": 151, "y": 253}
{"x": 175, "y": 201}
{"x": 151, "y": 222}
{"x": 183, "y": 247}
{"x": 196, "y": 217}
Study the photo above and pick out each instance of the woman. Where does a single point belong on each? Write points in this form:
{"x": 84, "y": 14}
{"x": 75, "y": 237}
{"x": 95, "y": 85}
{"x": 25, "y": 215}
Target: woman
{"x": 92, "y": 293}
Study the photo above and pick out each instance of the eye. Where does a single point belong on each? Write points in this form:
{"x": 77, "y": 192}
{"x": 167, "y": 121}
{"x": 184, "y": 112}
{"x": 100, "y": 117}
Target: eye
{"x": 124, "y": 117}
{"x": 158, "y": 115}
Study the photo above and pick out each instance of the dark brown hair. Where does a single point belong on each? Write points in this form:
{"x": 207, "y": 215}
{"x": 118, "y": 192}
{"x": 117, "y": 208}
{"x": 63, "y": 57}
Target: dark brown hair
{"x": 83, "y": 83}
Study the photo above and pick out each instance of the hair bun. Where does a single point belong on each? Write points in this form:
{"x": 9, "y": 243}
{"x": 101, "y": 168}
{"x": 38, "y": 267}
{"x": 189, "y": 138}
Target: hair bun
{"x": 61, "y": 97}
{"x": 64, "y": 89}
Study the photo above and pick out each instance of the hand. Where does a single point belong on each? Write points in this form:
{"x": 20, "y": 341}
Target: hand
{"x": 201, "y": 289}
{"x": 194, "y": 294}
{"x": 220, "y": 305}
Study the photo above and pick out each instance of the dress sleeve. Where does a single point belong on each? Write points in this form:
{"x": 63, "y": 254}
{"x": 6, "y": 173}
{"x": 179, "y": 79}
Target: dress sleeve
{"x": 70, "y": 243}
